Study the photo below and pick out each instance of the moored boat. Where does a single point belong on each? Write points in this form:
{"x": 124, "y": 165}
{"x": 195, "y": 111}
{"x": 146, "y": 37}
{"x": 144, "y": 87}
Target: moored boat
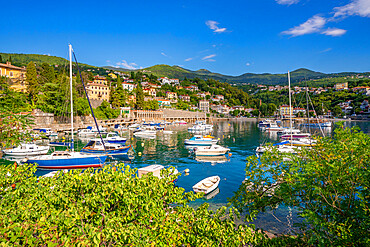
{"x": 113, "y": 137}
{"x": 207, "y": 185}
{"x": 212, "y": 150}
{"x": 198, "y": 140}
{"x": 95, "y": 146}
{"x": 27, "y": 149}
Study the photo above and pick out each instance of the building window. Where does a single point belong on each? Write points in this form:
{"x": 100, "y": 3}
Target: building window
{"x": 10, "y": 73}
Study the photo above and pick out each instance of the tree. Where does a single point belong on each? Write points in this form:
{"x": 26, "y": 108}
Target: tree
{"x": 1, "y": 59}
{"x": 264, "y": 109}
{"x": 33, "y": 85}
{"x": 327, "y": 184}
{"x": 271, "y": 108}
{"x": 255, "y": 112}
{"x": 139, "y": 97}
{"x": 337, "y": 111}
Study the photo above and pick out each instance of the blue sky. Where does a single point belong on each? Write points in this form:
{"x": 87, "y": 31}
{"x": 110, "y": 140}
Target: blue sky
{"x": 228, "y": 37}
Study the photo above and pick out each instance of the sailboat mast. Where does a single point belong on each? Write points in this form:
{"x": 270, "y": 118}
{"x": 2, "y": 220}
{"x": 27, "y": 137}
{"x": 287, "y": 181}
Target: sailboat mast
{"x": 70, "y": 84}
{"x": 290, "y": 110}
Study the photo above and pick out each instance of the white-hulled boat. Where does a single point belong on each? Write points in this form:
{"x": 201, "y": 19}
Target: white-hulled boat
{"x": 27, "y": 149}
{"x": 146, "y": 133}
{"x": 280, "y": 148}
{"x": 198, "y": 140}
{"x": 155, "y": 170}
{"x": 207, "y": 185}
{"x": 114, "y": 137}
{"x": 86, "y": 133}
{"x": 212, "y": 150}
{"x": 288, "y": 131}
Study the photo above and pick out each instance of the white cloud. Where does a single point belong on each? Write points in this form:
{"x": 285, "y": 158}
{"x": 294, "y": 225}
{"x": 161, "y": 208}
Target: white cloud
{"x": 188, "y": 59}
{"x": 211, "y": 60}
{"x": 356, "y": 7}
{"x": 248, "y": 64}
{"x": 312, "y": 25}
{"x": 126, "y": 65}
{"x": 326, "y": 50}
{"x": 214, "y": 26}
{"x": 164, "y": 54}
{"x": 209, "y": 57}
{"x": 287, "y": 2}
{"x": 334, "y": 32}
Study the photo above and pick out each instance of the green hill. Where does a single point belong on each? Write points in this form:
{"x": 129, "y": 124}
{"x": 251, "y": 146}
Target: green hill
{"x": 163, "y": 70}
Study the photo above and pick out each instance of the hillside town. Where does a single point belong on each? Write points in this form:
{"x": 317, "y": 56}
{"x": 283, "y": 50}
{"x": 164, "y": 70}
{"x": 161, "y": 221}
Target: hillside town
{"x": 173, "y": 93}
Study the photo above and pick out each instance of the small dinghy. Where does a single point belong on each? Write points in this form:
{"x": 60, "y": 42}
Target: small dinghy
{"x": 207, "y": 185}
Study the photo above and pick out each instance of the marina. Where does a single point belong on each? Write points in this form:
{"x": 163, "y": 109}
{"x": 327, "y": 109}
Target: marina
{"x": 242, "y": 137}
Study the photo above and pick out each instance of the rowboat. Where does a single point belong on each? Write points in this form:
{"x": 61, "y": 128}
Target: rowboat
{"x": 207, "y": 185}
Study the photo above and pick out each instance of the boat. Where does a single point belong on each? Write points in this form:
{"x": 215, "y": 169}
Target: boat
{"x": 134, "y": 126}
{"x": 86, "y": 132}
{"x": 27, "y": 149}
{"x": 145, "y": 133}
{"x": 281, "y": 148}
{"x": 156, "y": 171}
{"x": 317, "y": 123}
{"x": 302, "y": 142}
{"x": 96, "y": 146}
{"x": 288, "y": 131}
{"x": 69, "y": 159}
{"x": 295, "y": 136}
{"x": 198, "y": 140}
{"x": 114, "y": 137}
{"x": 212, "y": 150}
{"x": 207, "y": 185}
{"x": 47, "y": 131}
{"x": 265, "y": 123}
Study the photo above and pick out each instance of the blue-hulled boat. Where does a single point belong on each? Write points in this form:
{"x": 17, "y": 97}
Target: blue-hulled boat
{"x": 95, "y": 146}
{"x": 67, "y": 160}
{"x": 113, "y": 137}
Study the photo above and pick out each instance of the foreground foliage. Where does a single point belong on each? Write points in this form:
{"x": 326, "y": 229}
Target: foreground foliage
{"x": 328, "y": 185}
{"x": 111, "y": 206}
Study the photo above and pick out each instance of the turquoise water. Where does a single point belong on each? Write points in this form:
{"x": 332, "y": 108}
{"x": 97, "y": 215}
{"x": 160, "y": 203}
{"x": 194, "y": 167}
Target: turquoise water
{"x": 242, "y": 137}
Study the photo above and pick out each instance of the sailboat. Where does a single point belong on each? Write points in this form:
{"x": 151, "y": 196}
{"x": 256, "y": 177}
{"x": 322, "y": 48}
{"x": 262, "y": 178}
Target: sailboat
{"x": 68, "y": 159}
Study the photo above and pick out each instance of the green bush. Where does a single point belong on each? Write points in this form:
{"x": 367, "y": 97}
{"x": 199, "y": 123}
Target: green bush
{"x": 328, "y": 185}
{"x": 111, "y": 206}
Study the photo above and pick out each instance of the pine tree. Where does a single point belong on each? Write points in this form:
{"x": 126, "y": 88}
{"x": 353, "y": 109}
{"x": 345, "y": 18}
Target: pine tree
{"x": 139, "y": 97}
{"x": 1, "y": 59}
{"x": 33, "y": 85}
{"x": 10, "y": 59}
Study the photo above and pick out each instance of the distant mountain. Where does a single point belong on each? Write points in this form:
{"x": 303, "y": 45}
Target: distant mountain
{"x": 163, "y": 70}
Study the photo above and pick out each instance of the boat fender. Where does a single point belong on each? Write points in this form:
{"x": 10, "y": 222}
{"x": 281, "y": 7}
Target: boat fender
{"x": 230, "y": 154}
{"x": 142, "y": 144}
{"x": 24, "y": 160}
{"x": 139, "y": 153}
{"x": 187, "y": 170}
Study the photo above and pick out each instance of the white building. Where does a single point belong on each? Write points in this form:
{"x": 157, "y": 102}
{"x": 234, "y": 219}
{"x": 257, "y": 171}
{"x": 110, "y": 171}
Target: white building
{"x": 128, "y": 86}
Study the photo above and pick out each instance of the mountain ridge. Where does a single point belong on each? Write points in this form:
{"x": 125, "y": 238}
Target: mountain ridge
{"x": 175, "y": 71}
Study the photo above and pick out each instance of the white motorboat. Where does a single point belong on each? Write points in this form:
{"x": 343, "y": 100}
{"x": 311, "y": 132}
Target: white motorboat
{"x": 207, "y": 185}
{"x": 212, "y": 150}
{"x": 198, "y": 140}
{"x": 134, "y": 126}
{"x": 86, "y": 133}
{"x": 114, "y": 137}
{"x": 27, "y": 149}
{"x": 280, "y": 148}
{"x": 145, "y": 133}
